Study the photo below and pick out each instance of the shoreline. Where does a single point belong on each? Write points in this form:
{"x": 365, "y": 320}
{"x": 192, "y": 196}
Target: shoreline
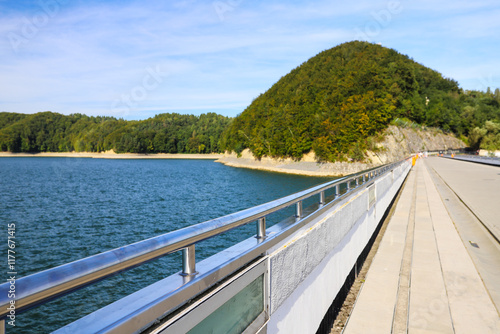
{"x": 287, "y": 166}
{"x": 294, "y": 171}
{"x": 112, "y": 155}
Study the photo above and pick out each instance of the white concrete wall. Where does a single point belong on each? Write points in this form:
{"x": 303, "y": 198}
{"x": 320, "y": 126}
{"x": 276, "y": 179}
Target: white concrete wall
{"x": 308, "y": 269}
{"x": 487, "y": 153}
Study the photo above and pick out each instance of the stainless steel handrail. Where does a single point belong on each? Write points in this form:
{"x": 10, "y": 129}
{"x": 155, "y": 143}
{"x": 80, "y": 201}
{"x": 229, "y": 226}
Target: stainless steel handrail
{"x": 494, "y": 161}
{"x": 43, "y": 286}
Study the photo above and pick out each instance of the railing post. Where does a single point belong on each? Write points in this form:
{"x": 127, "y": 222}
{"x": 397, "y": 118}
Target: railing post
{"x": 188, "y": 261}
{"x": 261, "y": 228}
{"x": 322, "y": 198}
{"x": 348, "y": 185}
{"x": 337, "y": 191}
{"x": 299, "y": 209}
{"x": 357, "y": 181}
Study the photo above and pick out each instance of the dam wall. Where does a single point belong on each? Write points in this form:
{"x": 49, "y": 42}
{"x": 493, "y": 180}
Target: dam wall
{"x": 308, "y": 269}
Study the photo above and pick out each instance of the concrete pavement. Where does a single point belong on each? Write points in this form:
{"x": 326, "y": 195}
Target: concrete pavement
{"x": 477, "y": 185}
{"x": 422, "y": 279}
{"x": 481, "y": 245}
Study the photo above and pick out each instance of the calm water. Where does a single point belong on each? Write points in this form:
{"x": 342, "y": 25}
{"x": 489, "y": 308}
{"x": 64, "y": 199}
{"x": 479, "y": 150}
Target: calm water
{"x": 66, "y": 208}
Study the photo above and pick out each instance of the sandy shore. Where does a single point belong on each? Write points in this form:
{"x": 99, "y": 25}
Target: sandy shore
{"x": 300, "y": 168}
{"x": 307, "y": 166}
{"x": 111, "y": 155}
{"x": 398, "y": 143}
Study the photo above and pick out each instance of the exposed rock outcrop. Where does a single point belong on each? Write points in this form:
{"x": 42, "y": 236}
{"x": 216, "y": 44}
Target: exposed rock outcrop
{"x": 401, "y": 142}
{"x": 397, "y": 144}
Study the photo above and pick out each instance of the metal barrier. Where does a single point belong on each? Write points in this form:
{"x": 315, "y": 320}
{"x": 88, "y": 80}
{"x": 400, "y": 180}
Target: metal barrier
{"x": 494, "y": 161}
{"x": 39, "y": 288}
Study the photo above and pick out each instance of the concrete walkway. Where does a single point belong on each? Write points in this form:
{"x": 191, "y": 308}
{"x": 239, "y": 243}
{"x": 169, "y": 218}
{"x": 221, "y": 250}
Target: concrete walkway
{"x": 481, "y": 245}
{"x": 477, "y": 185}
{"x": 422, "y": 279}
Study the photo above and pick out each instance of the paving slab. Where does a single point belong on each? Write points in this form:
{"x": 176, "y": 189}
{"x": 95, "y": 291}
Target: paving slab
{"x": 477, "y": 185}
{"x": 471, "y": 308}
{"x": 483, "y": 248}
{"x": 374, "y": 309}
{"x": 423, "y": 265}
{"x": 428, "y": 306}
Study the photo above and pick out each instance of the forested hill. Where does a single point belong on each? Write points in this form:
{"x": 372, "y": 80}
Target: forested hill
{"x": 338, "y": 101}
{"x": 165, "y": 133}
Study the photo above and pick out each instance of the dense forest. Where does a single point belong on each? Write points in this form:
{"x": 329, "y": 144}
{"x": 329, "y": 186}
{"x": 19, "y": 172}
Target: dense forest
{"x": 337, "y": 104}
{"x": 165, "y": 133}
{"x": 341, "y": 99}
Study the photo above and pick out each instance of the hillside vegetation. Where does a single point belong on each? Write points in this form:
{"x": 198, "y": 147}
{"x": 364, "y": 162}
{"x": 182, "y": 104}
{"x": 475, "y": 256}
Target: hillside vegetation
{"x": 338, "y": 102}
{"x": 165, "y": 133}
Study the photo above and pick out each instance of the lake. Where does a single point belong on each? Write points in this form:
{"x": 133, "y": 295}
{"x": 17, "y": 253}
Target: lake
{"x": 65, "y": 209}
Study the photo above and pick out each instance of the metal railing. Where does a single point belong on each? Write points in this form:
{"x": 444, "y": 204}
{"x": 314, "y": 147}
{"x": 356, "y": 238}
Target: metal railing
{"x": 495, "y": 161}
{"x": 41, "y": 287}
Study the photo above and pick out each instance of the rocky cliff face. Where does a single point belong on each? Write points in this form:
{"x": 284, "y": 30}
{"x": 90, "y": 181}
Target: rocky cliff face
{"x": 398, "y": 144}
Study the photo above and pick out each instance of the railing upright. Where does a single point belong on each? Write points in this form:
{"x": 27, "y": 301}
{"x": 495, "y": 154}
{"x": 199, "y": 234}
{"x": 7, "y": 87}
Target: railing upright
{"x": 189, "y": 261}
{"x": 322, "y": 198}
{"x": 299, "y": 210}
{"x": 261, "y": 228}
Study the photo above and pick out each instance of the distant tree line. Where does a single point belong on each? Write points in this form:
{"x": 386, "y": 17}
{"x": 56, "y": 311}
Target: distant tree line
{"x": 165, "y": 133}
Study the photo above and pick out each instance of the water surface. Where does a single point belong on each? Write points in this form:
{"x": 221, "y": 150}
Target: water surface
{"x": 69, "y": 208}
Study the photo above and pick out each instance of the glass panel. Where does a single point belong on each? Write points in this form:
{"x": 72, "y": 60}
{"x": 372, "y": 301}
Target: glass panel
{"x": 237, "y": 313}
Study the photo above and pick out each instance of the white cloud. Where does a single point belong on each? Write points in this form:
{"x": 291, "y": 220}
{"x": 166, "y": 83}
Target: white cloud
{"x": 86, "y": 57}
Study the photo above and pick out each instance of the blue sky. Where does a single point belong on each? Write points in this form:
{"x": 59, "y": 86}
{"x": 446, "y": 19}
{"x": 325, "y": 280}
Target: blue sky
{"x": 136, "y": 59}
